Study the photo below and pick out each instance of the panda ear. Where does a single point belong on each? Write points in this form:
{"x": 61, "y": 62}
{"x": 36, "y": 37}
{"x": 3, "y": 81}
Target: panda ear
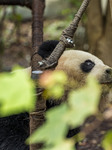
{"x": 87, "y": 66}
{"x": 47, "y": 48}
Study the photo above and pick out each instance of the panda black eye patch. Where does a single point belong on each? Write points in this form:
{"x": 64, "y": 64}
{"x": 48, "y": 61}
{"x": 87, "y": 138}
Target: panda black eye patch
{"x": 87, "y": 66}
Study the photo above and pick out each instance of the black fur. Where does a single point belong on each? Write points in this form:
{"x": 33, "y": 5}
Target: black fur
{"x": 14, "y": 130}
{"x": 46, "y": 48}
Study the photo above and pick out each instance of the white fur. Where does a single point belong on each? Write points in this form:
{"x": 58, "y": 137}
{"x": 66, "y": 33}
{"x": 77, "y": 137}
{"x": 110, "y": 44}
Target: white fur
{"x": 70, "y": 62}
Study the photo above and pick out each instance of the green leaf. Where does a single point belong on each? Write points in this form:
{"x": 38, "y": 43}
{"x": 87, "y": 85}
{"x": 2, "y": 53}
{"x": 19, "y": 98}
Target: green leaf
{"x": 16, "y": 93}
{"x": 64, "y": 145}
{"x": 107, "y": 141}
{"x": 54, "y": 83}
{"x": 54, "y": 130}
{"x": 83, "y": 102}
{"x": 55, "y": 92}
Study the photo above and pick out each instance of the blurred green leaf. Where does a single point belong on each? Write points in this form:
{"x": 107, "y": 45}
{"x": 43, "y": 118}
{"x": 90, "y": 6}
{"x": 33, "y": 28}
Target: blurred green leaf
{"x": 64, "y": 145}
{"x": 107, "y": 141}
{"x": 56, "y": 92}
{"x": 54, "y": 130}
{"x": 16, "y": 93}
{"x": 53, "y": 82}
{"x": 83, "y": 102}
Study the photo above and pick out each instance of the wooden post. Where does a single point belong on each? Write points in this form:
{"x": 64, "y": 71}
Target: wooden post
{"x": 37, "y": 117}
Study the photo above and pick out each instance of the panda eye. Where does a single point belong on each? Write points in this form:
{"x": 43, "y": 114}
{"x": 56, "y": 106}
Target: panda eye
{"x": 87, "y": 66}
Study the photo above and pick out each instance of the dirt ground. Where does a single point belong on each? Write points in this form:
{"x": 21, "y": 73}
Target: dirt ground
{"x": 93, "y": 141}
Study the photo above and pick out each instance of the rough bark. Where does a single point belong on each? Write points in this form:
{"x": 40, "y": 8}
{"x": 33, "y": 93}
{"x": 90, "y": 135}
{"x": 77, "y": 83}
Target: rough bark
{"x": 37, "y": 30}
{"x": 1, "y": 37}
{"x": 37, "y": 117}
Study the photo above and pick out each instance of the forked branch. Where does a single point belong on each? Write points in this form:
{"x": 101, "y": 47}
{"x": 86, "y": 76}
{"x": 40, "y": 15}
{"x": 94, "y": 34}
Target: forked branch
{"x": 66, "y": 39}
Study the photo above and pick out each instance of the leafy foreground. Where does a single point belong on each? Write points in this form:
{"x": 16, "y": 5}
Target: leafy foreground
{"x": 81, "y": 104}
{"x": 16, "y": 93}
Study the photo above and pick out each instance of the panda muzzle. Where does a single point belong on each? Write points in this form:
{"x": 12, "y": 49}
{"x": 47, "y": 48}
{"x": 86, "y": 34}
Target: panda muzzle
{"x": 107, "y": 78}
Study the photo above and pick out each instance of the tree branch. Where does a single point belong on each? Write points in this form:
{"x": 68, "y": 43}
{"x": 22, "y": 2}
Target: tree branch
{"x": 66, "y": 39}
{"x": 27, "y": 3}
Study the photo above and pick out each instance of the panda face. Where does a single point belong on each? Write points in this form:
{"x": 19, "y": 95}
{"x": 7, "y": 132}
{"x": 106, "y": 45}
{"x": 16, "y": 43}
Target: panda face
{"x": 79, "y": 65}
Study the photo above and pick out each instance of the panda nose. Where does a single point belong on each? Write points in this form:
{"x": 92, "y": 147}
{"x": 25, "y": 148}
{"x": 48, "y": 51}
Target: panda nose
{"x": 108, "y": 71}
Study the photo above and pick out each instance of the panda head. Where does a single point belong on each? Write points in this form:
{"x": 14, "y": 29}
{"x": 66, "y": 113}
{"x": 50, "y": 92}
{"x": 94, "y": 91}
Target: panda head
{"x": 79, "y": 65}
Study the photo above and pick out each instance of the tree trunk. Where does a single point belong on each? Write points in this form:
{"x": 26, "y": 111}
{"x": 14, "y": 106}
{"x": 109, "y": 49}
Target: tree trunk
{"x": 100, "y": 32}
{"x": 37, "y": 117}
{"x": 111, "y": 8}
{"x": 105, "y": 43}
{"x": 95, "y": 24}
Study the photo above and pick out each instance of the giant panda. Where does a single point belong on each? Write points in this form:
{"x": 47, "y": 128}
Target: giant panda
{"x": 78, "y": 65}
